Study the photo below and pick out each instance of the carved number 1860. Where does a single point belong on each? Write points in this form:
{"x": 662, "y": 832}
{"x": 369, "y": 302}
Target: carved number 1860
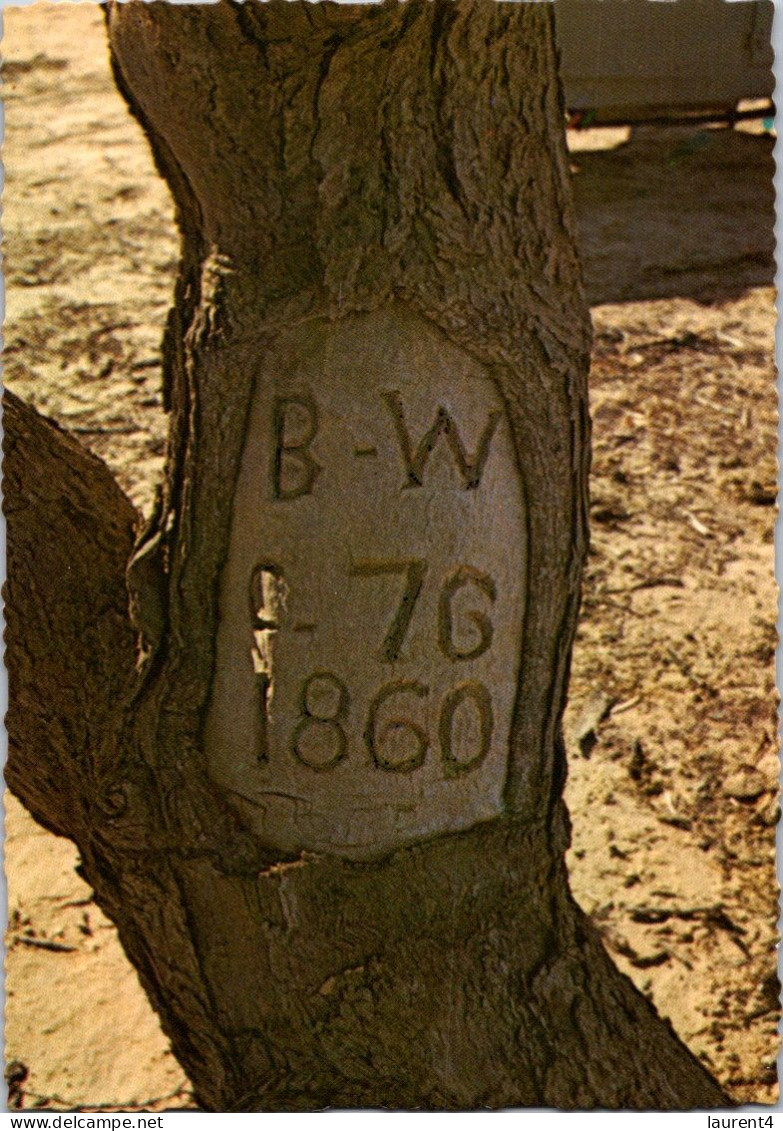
{"x": 319, "y": 740}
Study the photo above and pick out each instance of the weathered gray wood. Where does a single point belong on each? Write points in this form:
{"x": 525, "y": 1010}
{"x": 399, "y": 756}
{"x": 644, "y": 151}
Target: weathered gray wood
{"x": 379, "y": 497}
{"x": 361, "y": 185}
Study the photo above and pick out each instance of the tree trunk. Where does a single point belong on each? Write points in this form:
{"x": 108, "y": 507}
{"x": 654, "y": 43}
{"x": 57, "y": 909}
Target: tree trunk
{"x": 321, "y": 795}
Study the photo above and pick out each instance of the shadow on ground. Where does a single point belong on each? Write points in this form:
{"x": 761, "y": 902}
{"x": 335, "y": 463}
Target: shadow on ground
{"x": 676, "y": 212}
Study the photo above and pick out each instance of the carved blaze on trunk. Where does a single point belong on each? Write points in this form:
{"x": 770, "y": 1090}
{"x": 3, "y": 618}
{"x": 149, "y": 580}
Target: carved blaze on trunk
{"x": 323, "y": 805}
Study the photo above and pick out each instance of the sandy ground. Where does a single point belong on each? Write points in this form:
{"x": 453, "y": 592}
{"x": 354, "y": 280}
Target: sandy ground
{"x": 672, "y": 723}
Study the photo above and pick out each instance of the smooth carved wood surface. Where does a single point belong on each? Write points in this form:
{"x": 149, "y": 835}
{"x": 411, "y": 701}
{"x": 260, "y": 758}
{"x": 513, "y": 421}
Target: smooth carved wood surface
{"x": 372, "y": 599}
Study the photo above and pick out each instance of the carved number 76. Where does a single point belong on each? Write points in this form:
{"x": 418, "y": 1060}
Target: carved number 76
{"x": 414, "y": 571}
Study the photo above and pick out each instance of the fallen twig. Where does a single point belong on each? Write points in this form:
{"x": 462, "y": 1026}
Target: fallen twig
{"x": 43, "y": 944}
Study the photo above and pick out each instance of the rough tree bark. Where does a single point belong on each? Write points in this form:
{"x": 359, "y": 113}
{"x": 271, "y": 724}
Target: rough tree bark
{"x": 331, "y": 167}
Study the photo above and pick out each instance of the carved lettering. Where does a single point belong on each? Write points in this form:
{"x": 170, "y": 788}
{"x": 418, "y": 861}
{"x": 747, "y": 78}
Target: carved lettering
{"x": 294, "y": 427}
{"x": 469, "y": 467}
{"x": 414, "y": 570}
{"x": 266, "y": 588}
{"x": 453, "y": 763}
{"x": 319, "y": 740}
{"x": 353, "y": 608}
{"x": 398, "y": 756}
{"x": 463, "y": 576}
{"x": 398, "y": 745}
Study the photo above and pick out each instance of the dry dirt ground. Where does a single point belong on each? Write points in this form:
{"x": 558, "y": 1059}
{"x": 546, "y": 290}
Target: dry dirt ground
{"x": 672, "y": 726}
